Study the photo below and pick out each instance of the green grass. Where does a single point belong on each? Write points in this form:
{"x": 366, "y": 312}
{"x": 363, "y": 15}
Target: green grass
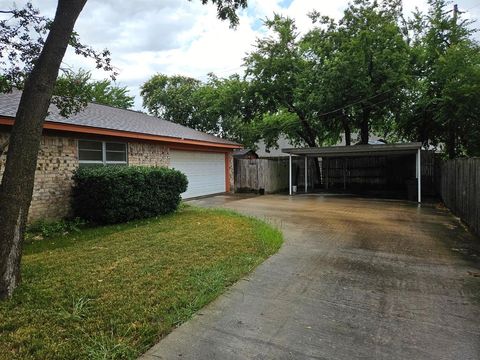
{"x": 112, "y": 292}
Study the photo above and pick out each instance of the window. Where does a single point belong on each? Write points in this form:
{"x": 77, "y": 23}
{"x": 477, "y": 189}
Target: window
{"x": 92, "y": 152}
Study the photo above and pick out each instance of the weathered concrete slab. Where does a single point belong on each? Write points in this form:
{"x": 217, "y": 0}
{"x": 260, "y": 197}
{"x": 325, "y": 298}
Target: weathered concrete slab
{"x": 355, "y": 279}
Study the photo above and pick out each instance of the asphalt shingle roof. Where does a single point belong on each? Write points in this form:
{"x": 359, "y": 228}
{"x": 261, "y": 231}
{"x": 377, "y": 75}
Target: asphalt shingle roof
{"x": 107, "y": 117}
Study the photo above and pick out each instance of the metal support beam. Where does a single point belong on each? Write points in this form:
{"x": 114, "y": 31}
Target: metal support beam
{"x": 306, "y": 174}
{"x": 419, "y": 175}
{"x": 290, "y": 174}
{"x": 327, "y": 164}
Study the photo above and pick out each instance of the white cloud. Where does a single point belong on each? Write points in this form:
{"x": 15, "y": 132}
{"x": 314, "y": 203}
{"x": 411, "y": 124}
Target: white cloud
{"x": 185, "y": 37}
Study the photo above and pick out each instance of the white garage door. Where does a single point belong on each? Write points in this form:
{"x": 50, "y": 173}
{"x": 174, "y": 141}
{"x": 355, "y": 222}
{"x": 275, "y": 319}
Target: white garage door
{"x": 205, "y": 171}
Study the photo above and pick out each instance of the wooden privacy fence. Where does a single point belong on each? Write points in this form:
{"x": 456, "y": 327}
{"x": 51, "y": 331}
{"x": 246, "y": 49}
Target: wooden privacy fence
{"x": 270, "y": 175}
{"x": 260, "y": 175}
{"x": 460, "y": 189}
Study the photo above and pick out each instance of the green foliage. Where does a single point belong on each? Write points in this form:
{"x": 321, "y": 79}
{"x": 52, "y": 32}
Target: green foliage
{"x": 115, "y": 194}
{"x": 227, "y": 9}
{"x": 371, "y": 71}
{"x": 299, "y": 86}
{"x": 23, "y": 32}
{"x": 443, "y": 103}
{"x": 107, "y": 93}
{"x": 219, "y": 106}
{"x": 171, "y": 98}
{"x": 225, "y": 105}
{"x": 278, "y": 74}
{"x": 77, "y": 310}
{"x": 80, "y": 86}
{"x": 45, "y": 229}
{"x": 362, "y": 63}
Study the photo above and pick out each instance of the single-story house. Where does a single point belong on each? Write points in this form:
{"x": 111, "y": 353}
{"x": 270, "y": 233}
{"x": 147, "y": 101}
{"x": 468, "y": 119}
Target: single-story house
{"x": 106, "y": 135}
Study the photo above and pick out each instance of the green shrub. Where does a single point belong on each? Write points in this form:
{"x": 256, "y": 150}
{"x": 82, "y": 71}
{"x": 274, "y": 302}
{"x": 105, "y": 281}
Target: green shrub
{"x": 114, "y": 194}
{"x": 47, "y": 229}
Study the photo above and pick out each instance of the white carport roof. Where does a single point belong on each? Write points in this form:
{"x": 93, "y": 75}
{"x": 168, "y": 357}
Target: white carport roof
{"x": 356, "y": 150}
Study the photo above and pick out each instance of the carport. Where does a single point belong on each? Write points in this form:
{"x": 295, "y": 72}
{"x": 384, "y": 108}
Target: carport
{"x": 386, "y": 150}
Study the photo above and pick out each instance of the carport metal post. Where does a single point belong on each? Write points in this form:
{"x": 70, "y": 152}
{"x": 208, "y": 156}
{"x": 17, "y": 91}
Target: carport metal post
{"x": 290, "y": 174}
{"x": 419, "y": 176}
{"x": 306, "y": 173}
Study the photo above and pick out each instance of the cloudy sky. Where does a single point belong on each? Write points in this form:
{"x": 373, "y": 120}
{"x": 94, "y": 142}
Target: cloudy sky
{"x": 184, "y": 37}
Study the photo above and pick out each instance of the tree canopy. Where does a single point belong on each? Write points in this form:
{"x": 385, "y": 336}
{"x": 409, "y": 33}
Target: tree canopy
{"x": 81, "y": 86}
{"x": 217, "y": 106}
{"x": 443, "y": 94}
{"x": 371, "y": 71}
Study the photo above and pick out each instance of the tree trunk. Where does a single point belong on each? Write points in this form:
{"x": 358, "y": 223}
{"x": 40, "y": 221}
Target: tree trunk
{"x": 346, "y": 129}
{"x": 423, "y": 129}
{"x": 348, "y": 136}
{"x": 308, "y": 131}
{"x": 310, "y": 140}
{"x": 18, "y": 179}
{"x": 450, "y": 145}
{"x": 364, "y": 126}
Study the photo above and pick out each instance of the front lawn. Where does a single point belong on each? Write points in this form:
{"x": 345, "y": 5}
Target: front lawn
{"x": 112, "y": 292}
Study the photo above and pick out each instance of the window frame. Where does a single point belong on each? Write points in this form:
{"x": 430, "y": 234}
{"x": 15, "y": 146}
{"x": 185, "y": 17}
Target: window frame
{"x": 104, "y": 160}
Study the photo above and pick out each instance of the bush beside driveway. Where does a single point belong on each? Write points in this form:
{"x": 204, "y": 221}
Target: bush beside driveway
{"x": 112, "y": 292}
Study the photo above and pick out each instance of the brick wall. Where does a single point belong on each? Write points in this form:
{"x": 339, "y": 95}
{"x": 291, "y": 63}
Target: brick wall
{"x": 148, "y": 154}
{"x": 57, "y": 159}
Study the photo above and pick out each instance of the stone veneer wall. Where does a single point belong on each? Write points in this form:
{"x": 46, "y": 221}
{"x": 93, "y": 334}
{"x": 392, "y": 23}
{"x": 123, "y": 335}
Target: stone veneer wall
{"x": 57, "y": 160}
{"x": 148, "y": 154}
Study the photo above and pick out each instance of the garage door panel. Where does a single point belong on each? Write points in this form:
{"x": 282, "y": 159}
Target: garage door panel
{"x": 205, "y": 171}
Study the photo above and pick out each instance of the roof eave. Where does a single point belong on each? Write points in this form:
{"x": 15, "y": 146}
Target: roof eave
{"x": 82, "y": 129}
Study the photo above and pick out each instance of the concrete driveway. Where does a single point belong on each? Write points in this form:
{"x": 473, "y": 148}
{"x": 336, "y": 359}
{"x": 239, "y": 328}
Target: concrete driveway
{"x": 355, "y": 279}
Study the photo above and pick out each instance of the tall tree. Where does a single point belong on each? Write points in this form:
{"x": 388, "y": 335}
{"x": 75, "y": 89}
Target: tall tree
{"x": 443, "y": 104}
{"x": 219, "y": 106}
{"x": 278, "y": 73}
{"x": 363, "y": 61}
{"x": 227, "y": 102}
{"x": 342, "y": 76}
{"x": 80, "y": 85}
{"x": 284, "y": 94}
{"x": 171, "y": 98}
{"x": 42, "y": 59}
{"x": 108, "y": 93}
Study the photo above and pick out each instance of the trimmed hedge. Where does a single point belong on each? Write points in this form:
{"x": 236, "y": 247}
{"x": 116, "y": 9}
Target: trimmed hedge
{"x": 115, "y": 194}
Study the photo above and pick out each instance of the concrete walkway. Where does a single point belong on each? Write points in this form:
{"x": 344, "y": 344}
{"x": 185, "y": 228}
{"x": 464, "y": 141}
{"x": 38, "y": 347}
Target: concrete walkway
{"x": 355, "y": 279}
